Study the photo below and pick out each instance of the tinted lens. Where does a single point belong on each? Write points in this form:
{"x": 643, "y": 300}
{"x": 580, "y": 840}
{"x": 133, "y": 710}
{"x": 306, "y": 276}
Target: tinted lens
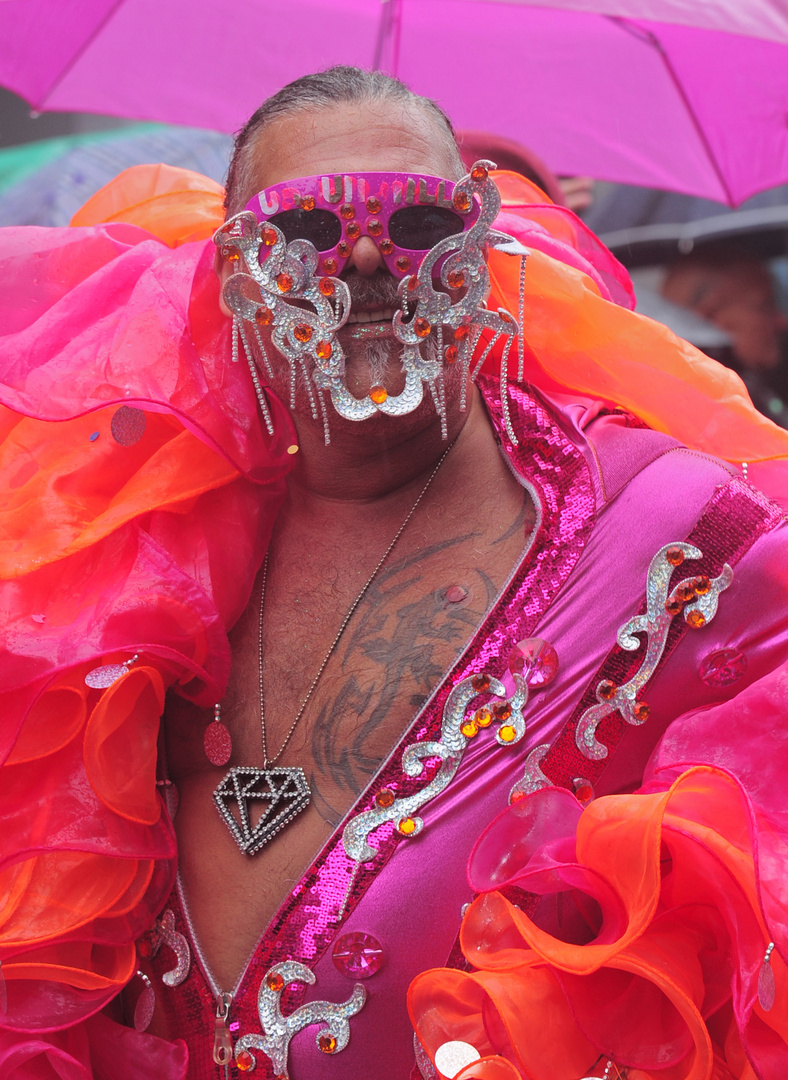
{"x": 320, "y": 227}
{"x": 419, "y": 228}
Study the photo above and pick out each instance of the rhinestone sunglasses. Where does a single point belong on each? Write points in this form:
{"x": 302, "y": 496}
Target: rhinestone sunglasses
{"x": 404, "y": 214}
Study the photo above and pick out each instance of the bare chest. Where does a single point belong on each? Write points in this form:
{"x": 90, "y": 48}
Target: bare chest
{"x": 338, "y": 694}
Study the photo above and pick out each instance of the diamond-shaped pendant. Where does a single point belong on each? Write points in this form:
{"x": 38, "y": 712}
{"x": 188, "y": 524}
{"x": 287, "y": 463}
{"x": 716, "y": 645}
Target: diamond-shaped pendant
{"x": 283, "y": 793}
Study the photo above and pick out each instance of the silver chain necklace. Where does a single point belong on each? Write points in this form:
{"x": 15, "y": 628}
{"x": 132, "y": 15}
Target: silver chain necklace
{"x": 280, "y": 792}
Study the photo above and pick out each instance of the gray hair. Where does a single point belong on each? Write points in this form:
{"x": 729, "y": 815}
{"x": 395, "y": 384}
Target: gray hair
{"x": 340, "y": 85}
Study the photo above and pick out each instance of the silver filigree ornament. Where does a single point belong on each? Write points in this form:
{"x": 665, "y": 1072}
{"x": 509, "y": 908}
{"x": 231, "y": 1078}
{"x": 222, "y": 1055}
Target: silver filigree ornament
{"x": 278, "y": 1030}
{"x": 283, "y": 291}
{"x": 467, "y": 317}
{"x": 695, "y": 597}
{"x": 506, "y": 712}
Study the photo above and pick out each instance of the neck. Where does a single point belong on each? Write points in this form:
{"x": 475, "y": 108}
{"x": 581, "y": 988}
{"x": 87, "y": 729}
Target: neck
{"x": 374, "y": 459}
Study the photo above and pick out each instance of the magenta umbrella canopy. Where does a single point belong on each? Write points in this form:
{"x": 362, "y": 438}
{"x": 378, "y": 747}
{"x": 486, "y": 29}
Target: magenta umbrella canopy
{"x": 688, "y": 95}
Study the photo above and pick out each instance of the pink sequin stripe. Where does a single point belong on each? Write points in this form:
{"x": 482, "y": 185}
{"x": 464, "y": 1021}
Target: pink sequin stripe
{"x": 303, "y": 927}
{"x": 734, "y": 519}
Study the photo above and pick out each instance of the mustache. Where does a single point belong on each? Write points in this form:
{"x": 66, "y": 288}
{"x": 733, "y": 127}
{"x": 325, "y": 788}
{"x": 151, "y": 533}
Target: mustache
{"x": 379, "y": 289}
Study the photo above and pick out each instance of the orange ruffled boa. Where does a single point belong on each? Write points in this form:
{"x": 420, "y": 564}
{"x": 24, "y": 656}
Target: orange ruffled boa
{"x": 127, "y": 554}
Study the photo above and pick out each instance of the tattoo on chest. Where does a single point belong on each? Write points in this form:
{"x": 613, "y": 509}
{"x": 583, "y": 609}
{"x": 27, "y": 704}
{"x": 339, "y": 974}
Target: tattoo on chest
{"x": 406, "y": 635}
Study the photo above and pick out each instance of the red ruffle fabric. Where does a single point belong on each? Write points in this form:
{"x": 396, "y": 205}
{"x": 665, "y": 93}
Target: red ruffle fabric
{"x": 642, "y": 921}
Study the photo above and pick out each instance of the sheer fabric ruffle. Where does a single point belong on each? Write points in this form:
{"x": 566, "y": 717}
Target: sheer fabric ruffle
{"x": 635, "y": 929}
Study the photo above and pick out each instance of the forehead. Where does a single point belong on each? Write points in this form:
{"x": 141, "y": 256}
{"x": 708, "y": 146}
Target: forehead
{"x": 370, "y": 137}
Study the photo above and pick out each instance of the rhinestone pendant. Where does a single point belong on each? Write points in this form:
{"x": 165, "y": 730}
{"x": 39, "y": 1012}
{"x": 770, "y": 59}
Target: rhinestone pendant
{"x": 264, "y": 801}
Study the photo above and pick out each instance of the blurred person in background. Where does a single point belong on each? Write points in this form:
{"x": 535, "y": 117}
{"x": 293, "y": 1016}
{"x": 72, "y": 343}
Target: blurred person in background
{"x": 735, "y": 291}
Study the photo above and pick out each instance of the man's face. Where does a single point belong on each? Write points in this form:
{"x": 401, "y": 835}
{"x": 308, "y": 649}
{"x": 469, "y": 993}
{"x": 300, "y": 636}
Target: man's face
{"x": 383, "y": 137}
{"x": 740, "y": 300}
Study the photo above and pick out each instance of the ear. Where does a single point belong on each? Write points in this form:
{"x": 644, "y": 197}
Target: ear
{"x": 224, "y": 270}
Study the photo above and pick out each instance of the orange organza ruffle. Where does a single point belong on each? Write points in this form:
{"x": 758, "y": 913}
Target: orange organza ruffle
{"x": 642, "y": 944}
{"x": 176, "y": 205}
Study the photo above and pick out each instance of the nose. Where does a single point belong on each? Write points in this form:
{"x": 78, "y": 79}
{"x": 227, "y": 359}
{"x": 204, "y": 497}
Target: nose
{"x": 365, "y": 257}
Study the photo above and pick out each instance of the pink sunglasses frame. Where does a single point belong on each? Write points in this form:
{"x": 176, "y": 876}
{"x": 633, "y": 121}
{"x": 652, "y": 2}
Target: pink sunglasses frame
{"x": 363, "y": 203}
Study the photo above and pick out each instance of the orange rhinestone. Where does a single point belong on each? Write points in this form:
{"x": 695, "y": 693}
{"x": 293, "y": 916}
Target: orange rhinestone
{"x": 386, "y": 245}
{"x": 517, "y": 796}
{"x": 686, "y": 591}
{"x": 469, "y": 728}
{"x": 353, "y": 230}
{"x": 413, "y": 283}
{"x": 384, "y": 798}
{"x": 641, "y": 712}
{"x": 483, "y": 717}
{"x": 373, "y": 204}
{"x": 308, "y": 202}
{"x": 343, "y": 248}
{"x": 702, "y": 585}
{"x": 450, "y": 354}
{"x": 584, "y": 793}
{"x": 421, "y": 327}
{"x": 675, "y": 556}
{"x": 268, "y": 235}
{"x": 403, "y": 263}
{"x": 274, "y": 981}
{"x": 462, "y": 201}
{"x": 378, "y": 394}
{"x": 230, "y": 254}
{"x": 263, "y": 316}
{"x": 302, "y": 332}
{"x": 327, "y": 286}
{"x": 456, "y": 279}
{"x": 461, "y": 333}
{"x": 506, "y": 733}
{"x": 481, "y": 683}
{"x": 330, "y": 266}
{"x": 696, "y": 619}
{"x": 284, "y": 282}
{"x": 606, "y": 689}
{"x": 479, "y": 173}
{"x": 245, "y": 1061}
{"x": 673, "y": 606}
{"x": 502, "y": 712}
{"x": 374, "y": 227}
{"x": 347, "y": 211}
{"x": 323, "y": 350}
{"x": 407, "y": 826}
{"x": 327, "y": 1043}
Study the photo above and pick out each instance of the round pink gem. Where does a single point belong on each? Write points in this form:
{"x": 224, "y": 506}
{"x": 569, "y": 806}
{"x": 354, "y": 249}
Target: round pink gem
{"x": 357, "y": 955}
{"x": 723, "y": 667}
{"x": 536, "y": 660}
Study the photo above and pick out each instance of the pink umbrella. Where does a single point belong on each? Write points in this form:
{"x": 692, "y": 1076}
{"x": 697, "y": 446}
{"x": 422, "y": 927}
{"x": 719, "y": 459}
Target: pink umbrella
{"x": 687, "y": 96}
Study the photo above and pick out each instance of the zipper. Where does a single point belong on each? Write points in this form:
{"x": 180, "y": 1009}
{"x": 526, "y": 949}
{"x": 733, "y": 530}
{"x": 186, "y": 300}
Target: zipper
{"x": 222, "y": 1043}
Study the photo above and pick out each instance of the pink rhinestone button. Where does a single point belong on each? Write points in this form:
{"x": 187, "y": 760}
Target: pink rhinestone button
{"x": 536, "y": 660}
{"x": 357, "y": 955}
{"x": 723, "y": 667}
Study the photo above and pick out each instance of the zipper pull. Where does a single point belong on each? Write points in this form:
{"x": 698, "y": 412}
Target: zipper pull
{"x": 222, "y": 1044}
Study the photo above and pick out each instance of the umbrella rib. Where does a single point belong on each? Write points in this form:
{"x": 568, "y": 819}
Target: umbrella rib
{"x": 384, "y": 29}
{"x": 650, "y": 38}
{"x": 79, "y": 53}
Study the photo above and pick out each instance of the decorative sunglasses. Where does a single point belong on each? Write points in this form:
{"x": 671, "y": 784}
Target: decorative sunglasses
{"x": 405, "y": 214}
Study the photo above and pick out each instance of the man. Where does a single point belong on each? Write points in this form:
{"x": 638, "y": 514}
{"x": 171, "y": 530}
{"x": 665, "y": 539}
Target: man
{"x": 413, "y": 619}
{"x": 736, "y": 292}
